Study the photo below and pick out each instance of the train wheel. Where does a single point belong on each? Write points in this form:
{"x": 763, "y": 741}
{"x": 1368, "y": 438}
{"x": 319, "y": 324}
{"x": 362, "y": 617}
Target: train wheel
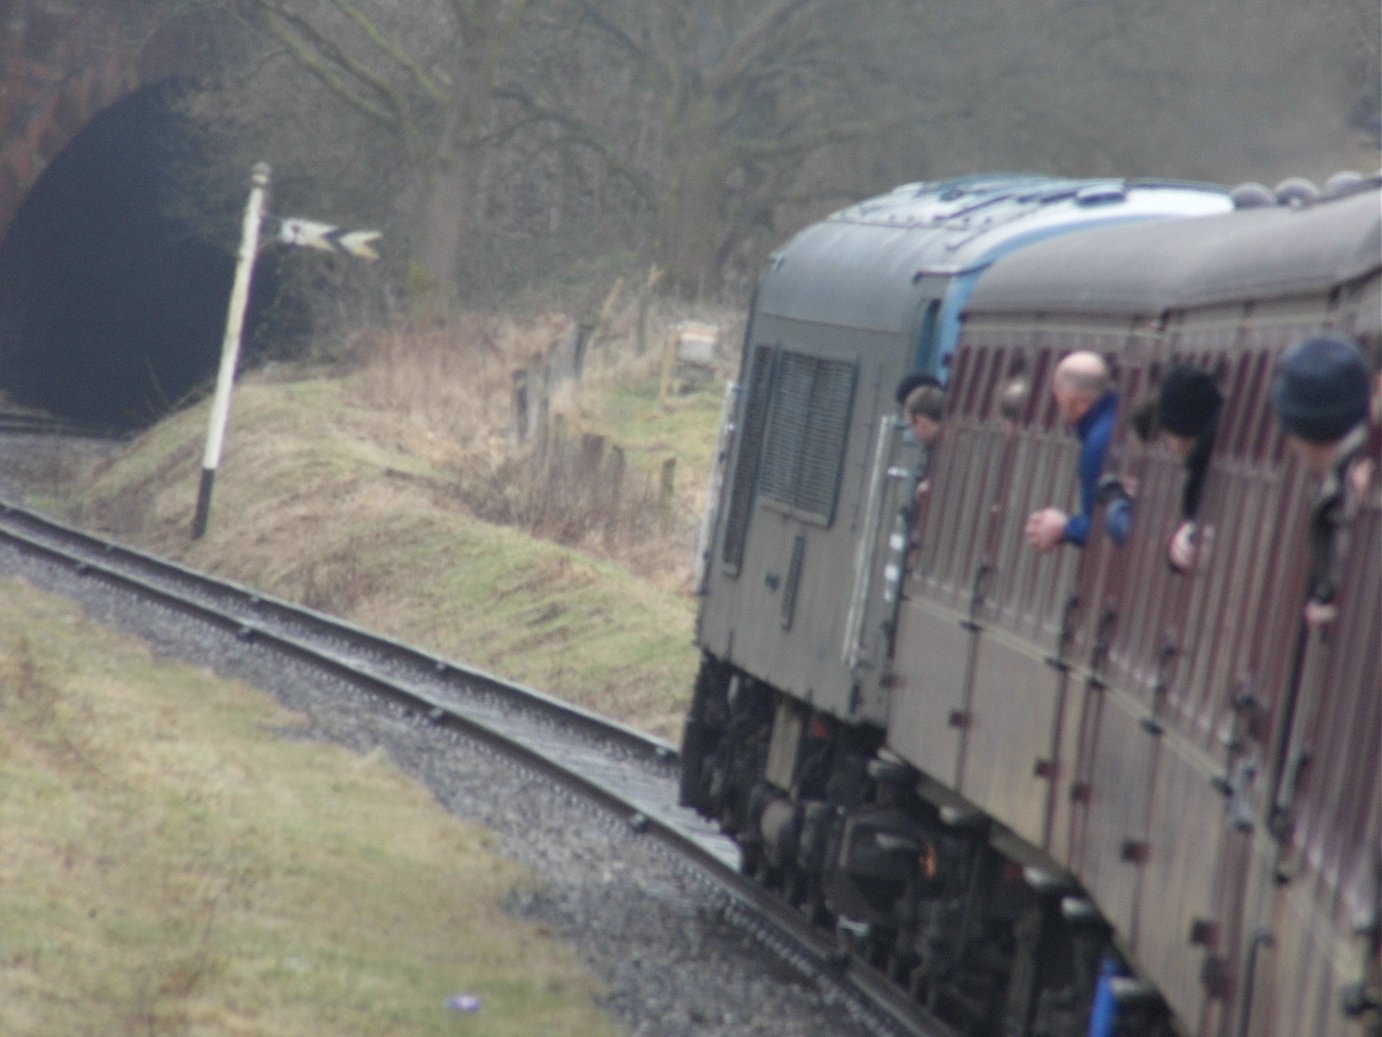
{"x": 795, "y": 885}
{"x": 813, "y": 903}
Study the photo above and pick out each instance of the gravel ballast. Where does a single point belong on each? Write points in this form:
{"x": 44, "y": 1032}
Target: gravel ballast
{"x": 665, "y": 945}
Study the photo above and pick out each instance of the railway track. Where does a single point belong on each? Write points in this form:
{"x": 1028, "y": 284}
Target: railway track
{"x": 619, "y": 769}
{"x": 27, "y": 423}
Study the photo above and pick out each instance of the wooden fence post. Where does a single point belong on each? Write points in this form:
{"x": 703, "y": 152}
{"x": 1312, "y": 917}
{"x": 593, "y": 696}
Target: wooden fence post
{"x": 616, "y": 511}
{"x": 666, "y": 486}
{"x": 640, "y": 335}
{"x": 522, "y": 406}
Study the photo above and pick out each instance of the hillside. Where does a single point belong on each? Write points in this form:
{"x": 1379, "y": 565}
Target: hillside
{"x": 390, "y": 488}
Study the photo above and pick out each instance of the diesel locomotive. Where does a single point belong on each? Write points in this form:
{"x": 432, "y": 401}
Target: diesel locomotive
{"x": 1069, "y": 793}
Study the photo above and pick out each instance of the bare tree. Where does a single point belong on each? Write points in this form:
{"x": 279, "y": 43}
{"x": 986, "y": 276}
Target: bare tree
{"x": 426, "y": 74}
{"x": 736, "y": 97}
{"x": 700, "y": 133}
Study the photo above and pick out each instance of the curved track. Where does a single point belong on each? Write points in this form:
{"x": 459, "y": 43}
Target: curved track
{"x": 27, "y": 423}
{"x": 620, "y": 769}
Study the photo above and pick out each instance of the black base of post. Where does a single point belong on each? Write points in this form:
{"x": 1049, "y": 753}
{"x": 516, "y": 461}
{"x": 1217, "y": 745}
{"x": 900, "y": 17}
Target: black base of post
{"x": 203, "y": 503}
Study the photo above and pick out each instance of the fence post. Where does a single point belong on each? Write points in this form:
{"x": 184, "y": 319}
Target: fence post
{"x": 616, "y": 510}
{"x": 666, "y": 486}
{"x": 553, "y": 442}
{"x": 580, "y": 347}
{"x": 640, "y": 336}
{"x": 592, "y": 453}
{"x": 669, "y": 360}
{"x": 522, "y": 406}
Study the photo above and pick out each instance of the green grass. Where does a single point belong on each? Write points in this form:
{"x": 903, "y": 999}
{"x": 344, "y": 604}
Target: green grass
{"x": 171, "y": 864}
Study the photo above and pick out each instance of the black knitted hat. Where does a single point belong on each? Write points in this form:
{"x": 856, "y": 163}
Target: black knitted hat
{"x": 1187, "y": 401}
{"x": 1321, "y": 388}
{"x": 914, "y": 380}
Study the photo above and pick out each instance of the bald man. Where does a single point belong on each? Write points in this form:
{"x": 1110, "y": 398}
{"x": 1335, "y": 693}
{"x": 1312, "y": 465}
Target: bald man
{"x": 1085, "y": 398}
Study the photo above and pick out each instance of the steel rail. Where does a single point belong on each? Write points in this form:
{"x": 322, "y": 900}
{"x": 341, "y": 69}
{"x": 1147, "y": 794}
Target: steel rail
{"x": 244, "y": 607}
{"x": 25, "y": 423}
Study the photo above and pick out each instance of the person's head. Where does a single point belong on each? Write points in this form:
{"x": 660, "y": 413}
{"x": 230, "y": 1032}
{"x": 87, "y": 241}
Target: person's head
{"x": 1320, "y": 394}
{"x": 1012, "y": 400}
{"x": 923, "y": 409}
{"x": 912, "y": 381}
{"x": 1187, "y": 403}
{"x": 1078, "y": 382}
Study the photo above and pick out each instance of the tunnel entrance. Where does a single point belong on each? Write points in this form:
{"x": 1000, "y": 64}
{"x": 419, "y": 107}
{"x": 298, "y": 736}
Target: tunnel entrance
{"x": 112, "y": 298}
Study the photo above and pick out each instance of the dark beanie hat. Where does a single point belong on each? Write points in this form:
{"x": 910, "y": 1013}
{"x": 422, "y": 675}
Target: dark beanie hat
{"x": 1321, "y": 388}
{"x": 1187, "y": 401}
{"x": 909, "y": 382}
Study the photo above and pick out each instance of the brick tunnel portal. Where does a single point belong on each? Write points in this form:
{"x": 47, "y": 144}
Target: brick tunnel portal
{"x": 112, "y": 302}
{"x": 113, "y": 276}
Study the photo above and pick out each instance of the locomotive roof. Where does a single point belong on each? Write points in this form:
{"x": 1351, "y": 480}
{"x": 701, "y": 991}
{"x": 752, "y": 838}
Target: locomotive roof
{"x": 1269, "y": 251}
{"x": 859, "y": 267}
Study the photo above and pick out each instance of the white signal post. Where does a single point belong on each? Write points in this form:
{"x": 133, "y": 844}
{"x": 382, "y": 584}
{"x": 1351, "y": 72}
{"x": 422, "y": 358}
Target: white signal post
{"x": 230, "y": 347}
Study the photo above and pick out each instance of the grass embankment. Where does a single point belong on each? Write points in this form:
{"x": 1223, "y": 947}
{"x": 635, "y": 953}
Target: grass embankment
{"x": 170, "y": 864}
{"x": 391, "y": 492}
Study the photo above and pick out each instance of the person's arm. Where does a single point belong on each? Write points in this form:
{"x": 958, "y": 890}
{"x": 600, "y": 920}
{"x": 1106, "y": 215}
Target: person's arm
{"x": 1076, "y": 530}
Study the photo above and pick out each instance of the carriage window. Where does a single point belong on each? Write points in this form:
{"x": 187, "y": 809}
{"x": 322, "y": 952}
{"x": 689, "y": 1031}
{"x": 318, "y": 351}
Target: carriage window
{"x": 804, "y": 442}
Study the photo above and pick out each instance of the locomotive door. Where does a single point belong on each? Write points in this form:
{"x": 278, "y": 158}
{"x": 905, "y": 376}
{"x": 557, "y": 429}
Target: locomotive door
{"x": 883, "y": 549}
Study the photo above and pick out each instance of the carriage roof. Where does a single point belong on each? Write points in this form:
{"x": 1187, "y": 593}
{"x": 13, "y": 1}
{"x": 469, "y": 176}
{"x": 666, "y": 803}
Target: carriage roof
{"x": 1266, "y": 252}
{"x": 860, "y": 267}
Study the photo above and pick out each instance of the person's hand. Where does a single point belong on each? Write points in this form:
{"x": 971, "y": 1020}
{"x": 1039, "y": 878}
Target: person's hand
{"x": 1190, "y": 547}
{"x": 923, "y": 489}
{"x": 1046, "y": 528}
{"x": 1318, "y": 614}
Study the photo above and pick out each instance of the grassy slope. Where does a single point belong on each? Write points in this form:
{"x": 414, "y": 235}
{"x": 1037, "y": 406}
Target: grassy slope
{"x": 172, "y": 864}
{"x": 346, "y": 494}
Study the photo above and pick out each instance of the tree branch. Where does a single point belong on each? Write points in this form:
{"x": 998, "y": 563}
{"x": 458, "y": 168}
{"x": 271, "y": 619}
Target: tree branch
{"x": 435, "y": 90}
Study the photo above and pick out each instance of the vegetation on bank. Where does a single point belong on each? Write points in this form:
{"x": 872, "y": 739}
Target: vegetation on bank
{"x": 176, "y": 861}
{"x": 391, "y": 490}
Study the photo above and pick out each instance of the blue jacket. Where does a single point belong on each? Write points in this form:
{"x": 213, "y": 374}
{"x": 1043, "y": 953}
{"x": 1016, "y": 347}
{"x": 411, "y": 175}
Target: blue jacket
{"x": 1094, "y": 430}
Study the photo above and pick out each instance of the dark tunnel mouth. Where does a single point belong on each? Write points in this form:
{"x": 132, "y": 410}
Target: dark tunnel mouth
{"x": 113, "y": 288}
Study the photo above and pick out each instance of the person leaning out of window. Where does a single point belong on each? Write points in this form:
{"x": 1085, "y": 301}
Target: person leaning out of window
{"x": 1320, "y": 398}
{"x": 1185, "y": 415}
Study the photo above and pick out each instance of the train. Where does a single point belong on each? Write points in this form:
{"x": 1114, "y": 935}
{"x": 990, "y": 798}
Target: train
{"x": 1070, "y": 793}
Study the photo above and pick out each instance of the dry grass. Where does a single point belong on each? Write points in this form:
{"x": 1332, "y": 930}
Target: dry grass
{"x": 448, "y": 391}
{"x": 173, "y": 865}
{"x": 394, "y": 494}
